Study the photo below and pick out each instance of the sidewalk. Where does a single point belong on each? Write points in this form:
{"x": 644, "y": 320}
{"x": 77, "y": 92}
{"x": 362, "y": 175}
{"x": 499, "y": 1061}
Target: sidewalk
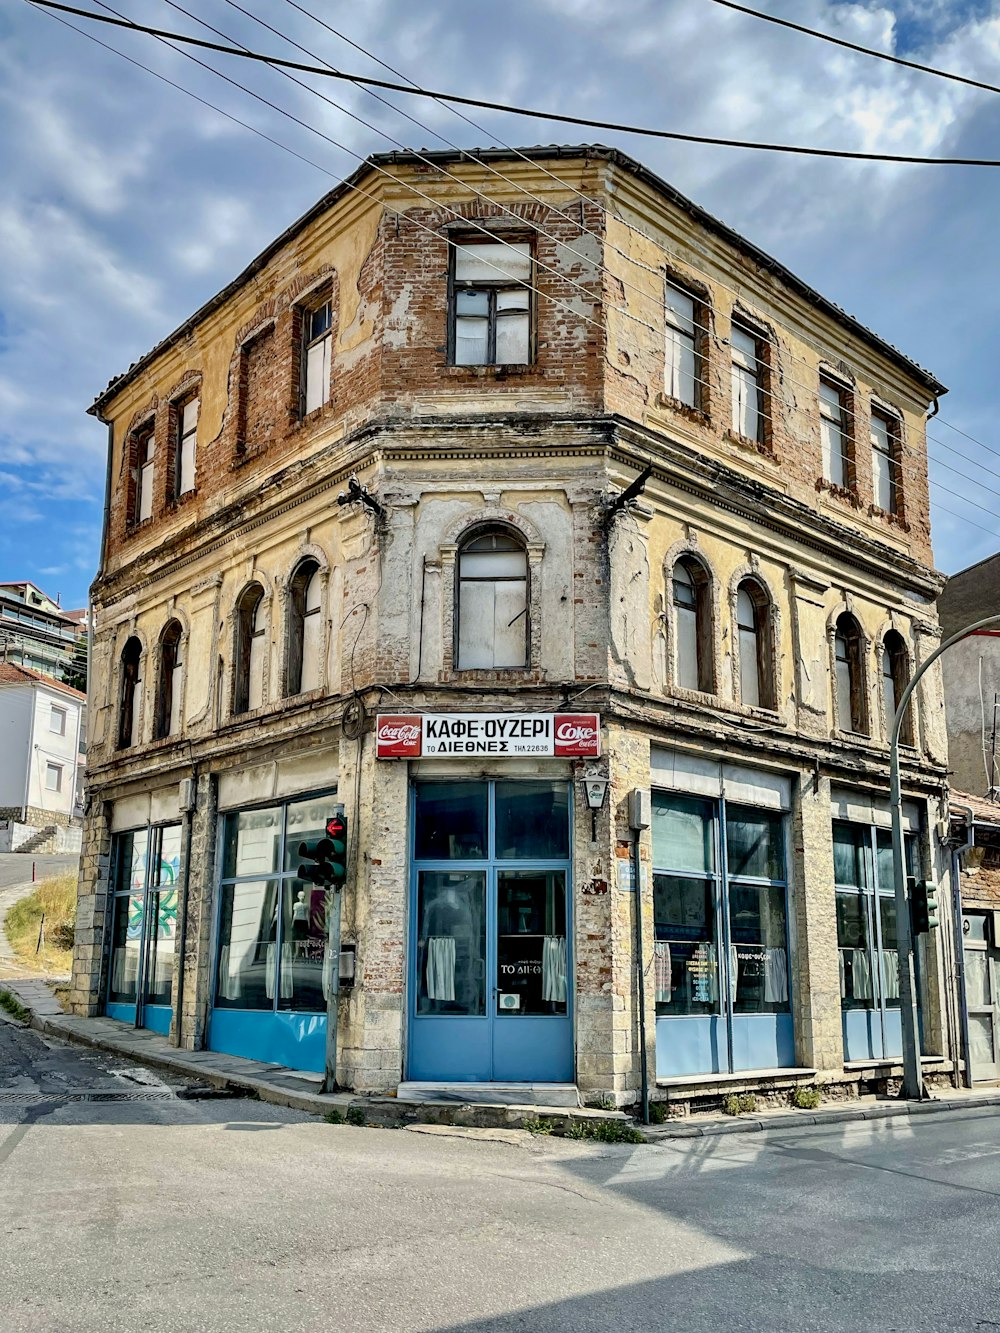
{"x": 300, "y": 1091}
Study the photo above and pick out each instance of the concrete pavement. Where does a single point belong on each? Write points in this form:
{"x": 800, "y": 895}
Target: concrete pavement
{"x": 15, "y": 868}
{"x": 176, "y": 1216}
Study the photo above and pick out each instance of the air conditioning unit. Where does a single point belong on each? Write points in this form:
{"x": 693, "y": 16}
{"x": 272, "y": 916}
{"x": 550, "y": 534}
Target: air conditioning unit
{"x": 509, "y": 1002}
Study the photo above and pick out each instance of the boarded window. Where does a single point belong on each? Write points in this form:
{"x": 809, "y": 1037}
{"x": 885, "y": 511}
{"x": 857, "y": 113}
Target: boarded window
{"x": 834, "y": 434}
{"x": 317, "y": 352}
{"x": 491, "y": 312}
{"x": 885, "y": 463}
{"x": 130, "y": 697}
{"x": 852, "y": 713}
{"x": 683, "y": 363}
{"x": 693, "y": 654}
{"x": 251, "y": 651}
{"x": 305, "y": 630}
{"x": 748, "y": 384}
{"x": 187, "y": 446}
{"x": 492, "y": 602}
{"x": 168, "y": 712}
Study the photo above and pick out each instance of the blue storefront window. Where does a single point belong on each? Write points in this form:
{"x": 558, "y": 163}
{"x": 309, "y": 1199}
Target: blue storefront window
{"x": 145, "y": 874}
{"x": 721, "y": 948}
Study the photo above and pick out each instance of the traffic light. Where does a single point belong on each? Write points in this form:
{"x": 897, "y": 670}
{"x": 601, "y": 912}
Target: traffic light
{"x": 321, "y": 870}
{"x": 923, "y": 906}
{"x": 336, "y": 840}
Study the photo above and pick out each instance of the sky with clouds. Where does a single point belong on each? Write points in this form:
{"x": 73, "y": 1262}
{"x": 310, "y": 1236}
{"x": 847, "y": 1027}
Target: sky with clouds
{"x": 127, "y": 203}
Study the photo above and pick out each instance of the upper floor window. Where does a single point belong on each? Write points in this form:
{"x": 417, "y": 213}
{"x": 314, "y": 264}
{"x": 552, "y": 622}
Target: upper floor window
{"x": 142, "y": 450}
{"x": 885, "y": 460}
{"x": 749, "y": 387}
{"x": 492, "y": 606}
{"x": 683, "y": 374}
{"x": 835, "y": 434}
{"x": 168, "y": 711}
{"x": 131, "y": 688}
{"x": 895, "y": 678}
{"x": 852, "y": 713}
{"x": 186, "y": 446}
{"x": 57, "y": 720}
{"x": 491, "y": 303}
{"x": 53, "y": 777}
{"x": 317, "y": 353}
{"x": 251, "y": 648}
{"x": 305, "y": 629}
{"x": 756, "y": 681}
{"x": 693, "y": 655}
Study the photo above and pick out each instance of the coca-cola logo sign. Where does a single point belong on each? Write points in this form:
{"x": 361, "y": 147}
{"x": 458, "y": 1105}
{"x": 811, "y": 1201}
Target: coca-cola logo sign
{"x": 429, "y": 735}
{"x": 398, "y": 735}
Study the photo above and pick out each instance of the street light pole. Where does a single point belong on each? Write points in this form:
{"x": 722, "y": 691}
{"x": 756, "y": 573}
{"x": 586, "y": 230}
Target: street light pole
{"x": 913, "y": 1079}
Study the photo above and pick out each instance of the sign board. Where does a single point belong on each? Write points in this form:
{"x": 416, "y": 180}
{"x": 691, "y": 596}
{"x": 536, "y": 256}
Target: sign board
{"x": 431, "y": 735}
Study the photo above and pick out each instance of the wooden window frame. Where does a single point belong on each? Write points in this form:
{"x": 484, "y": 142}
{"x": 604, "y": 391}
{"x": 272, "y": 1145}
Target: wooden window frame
{"x": 493, "y": 287}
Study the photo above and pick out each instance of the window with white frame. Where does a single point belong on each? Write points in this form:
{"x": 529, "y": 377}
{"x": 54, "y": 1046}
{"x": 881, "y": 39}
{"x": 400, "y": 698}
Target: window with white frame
{"x": 251, "y": 650}
{"x": 186, "y": 446}
{"x": 693, "y": 656}
{"x": 753, "y": 627}
{"x": 852, "y": 711}
{"x": 834, "y": 433}
{"x": 492, "y": 604}
{"x": 317, "y": 354}
{"x": 682, "y": 377}
{"x": 147, "y": 452}
{"x": 53, "y": 777}
{"x": 885, "y": 463}
{"x": 305, "y": 629}
{"x": 491, "y": 303}
{"x": 57, "y": 720}
{"x": 748, "y": 383}
{"x": 168, "y": 713}
{"x": 895, "y": 678}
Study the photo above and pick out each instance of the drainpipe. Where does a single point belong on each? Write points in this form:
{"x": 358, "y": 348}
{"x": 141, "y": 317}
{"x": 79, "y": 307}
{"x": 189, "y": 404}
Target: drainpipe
{"x": 956, "y": 905}
{"x": 639, "y": 818}
{"x": 185, "y": 882}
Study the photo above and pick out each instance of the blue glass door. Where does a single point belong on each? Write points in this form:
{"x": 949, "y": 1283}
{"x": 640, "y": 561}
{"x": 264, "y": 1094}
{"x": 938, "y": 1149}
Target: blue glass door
{"x": 490, "y": 991}
{"x": 143, "y": 926}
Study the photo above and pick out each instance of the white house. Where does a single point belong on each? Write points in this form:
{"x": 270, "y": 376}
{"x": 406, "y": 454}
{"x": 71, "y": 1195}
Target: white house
{"x": 42, "y": 756}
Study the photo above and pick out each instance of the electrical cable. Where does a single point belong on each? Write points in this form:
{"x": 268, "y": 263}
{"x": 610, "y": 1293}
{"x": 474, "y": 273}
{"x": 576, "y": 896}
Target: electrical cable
{"x": 675, "y": 136}
{"x": 856, "y": 46}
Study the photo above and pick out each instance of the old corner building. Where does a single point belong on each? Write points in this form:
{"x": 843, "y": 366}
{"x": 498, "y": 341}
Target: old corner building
{"x": 452, "y": 645}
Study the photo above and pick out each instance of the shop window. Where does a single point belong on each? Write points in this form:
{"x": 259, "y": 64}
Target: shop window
{"x": 185, "y": 446}
{"x": 848, "y": 644}
{"x": 305, "y": 629}
{"x": 835, "y": 434}
{"x": 491, "y": 303}
{"x": 885, "y": 461}
{"x": 753, "y": 607}
{"x": 168, "y": 704}
{"x": 492, "y": 612}
{"x": 895, "y": 678}
{"x": 272, "y": 952}
{"x": 684, "y": 320}
{"x": 251, "y": 649}
{"x": 130, "y": 696}
{"x": 450, "y": 821}
{"x": 721, "y": 930}
{"x": 532, "y": 821}
{"x": 145, "y": 872}
{"x": 317, "y": 353}
{"x": 749, "y": 384}
{"x": 694, "y": 656}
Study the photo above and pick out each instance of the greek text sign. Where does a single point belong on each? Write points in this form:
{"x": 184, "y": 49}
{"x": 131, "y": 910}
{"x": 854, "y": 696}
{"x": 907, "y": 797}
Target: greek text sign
{"x": 426, "y": 735}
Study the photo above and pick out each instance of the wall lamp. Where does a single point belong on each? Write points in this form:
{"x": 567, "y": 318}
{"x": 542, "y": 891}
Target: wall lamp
{"x": 595, "y": 790}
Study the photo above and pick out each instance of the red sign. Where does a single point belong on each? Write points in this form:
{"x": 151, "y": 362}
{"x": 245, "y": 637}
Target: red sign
{"x": 577, "y": 735}
{"x": 398, "y": 735}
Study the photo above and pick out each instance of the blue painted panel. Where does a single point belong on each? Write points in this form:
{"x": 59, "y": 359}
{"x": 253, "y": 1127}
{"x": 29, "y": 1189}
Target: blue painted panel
{"x": 862, "y": 1034}
{"x": 121, "y": 1013}
{"x": 695, "y": 1045}
{"x": 450, "y": 1049}
{"x": 157, "y": 1017}
{"x": 763, "y": 1041}
{"x": 297, "y": 1041}
{"x": 529, "y": 1049}
{"x": 893, "y": 1035}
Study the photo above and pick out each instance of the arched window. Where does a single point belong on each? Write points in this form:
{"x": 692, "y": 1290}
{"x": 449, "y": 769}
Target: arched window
{"x": 168, "y": 704}
{"x": 305, "y": 629}
{"x": 895, "y": 678}
{"x": 693, "y": 650}
{"x": 852, "y": 711}
{"x": 131, "y": 694}
{"x": 757, "y": 686}
{"x": 492, "y": 612}
{"x": 251, "y": 647}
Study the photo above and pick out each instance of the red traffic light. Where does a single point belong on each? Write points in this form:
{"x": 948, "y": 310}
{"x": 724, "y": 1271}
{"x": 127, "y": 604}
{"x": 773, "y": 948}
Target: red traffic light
{"x": 336, "y": 827}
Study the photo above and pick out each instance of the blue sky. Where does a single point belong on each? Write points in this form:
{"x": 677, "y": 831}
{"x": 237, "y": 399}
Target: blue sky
{"x": 126, "y": 204}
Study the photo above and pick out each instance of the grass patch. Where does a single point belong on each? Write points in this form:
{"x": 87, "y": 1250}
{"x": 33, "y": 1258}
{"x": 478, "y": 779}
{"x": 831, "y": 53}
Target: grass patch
{"x": 605, "y": 1131}
{"x": 805, "y": 1099}
{"x": 737, "y": 1104}
{"x": 538, "y": 1126}
{"x": 334, "y": 1118}
{"x": 355, "y": 1115}
{"x": 56, "y": 898}
{"x": 13, "y": 1006}
{"x": 658, "y": 1113}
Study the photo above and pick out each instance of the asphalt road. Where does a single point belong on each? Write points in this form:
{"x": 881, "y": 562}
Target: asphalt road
{"x": 154, "y": 1213}
{"x": 15, "y": 868}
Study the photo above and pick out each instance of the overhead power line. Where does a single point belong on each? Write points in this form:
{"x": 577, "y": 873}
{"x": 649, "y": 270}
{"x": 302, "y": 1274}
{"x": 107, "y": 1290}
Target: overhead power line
{"x": 674, "y": 136}
{"x": 856, "y": 46}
